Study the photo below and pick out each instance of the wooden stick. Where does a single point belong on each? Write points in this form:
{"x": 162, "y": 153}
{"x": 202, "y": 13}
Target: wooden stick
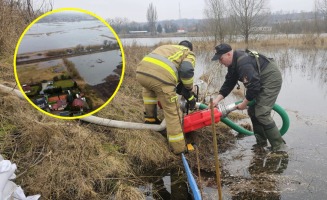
{"x": 215, "y": 146}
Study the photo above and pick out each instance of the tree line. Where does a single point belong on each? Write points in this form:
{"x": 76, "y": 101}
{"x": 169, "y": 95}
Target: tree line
{"x": 224, "y": 19}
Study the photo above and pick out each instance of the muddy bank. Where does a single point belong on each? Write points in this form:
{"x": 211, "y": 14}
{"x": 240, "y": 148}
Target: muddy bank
{"x": 106, "y": 90}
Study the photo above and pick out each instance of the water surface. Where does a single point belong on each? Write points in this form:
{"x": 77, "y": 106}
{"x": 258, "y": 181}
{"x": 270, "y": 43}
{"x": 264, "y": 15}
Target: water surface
{"x": 303, "y": 174}
{"x": 48, "y": 36}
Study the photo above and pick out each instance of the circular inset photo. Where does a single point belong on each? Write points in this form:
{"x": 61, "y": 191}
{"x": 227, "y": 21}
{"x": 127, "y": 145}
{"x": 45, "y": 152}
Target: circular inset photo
{"x": 69, "y": 63}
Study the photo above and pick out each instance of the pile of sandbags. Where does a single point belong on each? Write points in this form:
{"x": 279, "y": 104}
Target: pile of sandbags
{"x": 8, "y": 189}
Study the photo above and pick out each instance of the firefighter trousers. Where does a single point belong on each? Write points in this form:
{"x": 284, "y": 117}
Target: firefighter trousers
{"x": 155, "y": 90}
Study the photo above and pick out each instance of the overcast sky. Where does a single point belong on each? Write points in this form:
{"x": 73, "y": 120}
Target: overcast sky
{"x": 135, "y": 10}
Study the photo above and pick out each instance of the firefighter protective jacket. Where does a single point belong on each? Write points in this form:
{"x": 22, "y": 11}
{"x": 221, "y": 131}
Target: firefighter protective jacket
{"x": 171, "y": 64}
{"x": 244, "y": 68}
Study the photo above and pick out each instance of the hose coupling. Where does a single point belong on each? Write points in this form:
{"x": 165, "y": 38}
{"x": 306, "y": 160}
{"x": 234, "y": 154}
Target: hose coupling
{"x": 226, "y": 109}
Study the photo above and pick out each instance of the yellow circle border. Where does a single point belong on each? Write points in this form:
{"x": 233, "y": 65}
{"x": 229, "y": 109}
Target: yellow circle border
{"x": 77, "y": 10}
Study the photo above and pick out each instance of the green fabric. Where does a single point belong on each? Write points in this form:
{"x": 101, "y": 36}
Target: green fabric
{"x": 260, "y": 135}
{"x": 271, "y": 82}
{"x": 275, "y": 139}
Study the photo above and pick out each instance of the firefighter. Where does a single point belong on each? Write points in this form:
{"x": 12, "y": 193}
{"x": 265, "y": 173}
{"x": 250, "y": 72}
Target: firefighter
{"x": 159, "y": 73}
{"x": 262, "y": 80}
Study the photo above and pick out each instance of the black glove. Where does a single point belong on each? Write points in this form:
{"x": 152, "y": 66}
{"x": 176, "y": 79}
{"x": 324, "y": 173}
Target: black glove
{"x": 187, "y": 94}
{"x": 179, "y": 88}
{"x": 191, "y": 103}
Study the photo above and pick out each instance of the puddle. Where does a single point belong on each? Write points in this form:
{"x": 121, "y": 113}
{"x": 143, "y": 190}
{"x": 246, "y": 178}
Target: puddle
{"x": 166, "y": 184}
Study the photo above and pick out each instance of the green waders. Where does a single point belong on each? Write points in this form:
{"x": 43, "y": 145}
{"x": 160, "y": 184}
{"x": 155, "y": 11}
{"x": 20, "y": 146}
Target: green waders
{"x": 264, "y": 126}
{"x": 259, "y": 133}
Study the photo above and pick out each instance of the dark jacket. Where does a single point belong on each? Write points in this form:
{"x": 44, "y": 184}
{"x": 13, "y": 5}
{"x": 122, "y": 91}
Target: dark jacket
{"x": 244, "y": 69}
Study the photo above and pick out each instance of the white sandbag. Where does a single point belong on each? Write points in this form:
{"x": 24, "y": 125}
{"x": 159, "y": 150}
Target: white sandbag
{"x": 6, "y": 172}
{"x": 19, "y": 194}
{"x": 8, "y": 190}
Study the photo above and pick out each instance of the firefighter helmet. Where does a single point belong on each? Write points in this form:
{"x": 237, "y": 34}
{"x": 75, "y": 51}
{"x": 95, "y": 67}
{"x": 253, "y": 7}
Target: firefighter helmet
{"x": 187, "y": 44}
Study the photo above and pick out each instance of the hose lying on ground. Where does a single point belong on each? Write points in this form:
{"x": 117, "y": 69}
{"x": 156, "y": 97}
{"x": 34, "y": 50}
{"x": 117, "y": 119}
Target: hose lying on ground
{"x": 104, "y": 121}
{"x": 162, "y": 126}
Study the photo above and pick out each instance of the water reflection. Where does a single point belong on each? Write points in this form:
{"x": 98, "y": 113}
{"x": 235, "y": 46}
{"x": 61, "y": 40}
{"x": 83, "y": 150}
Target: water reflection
{"x": 304, "y": 75}
{"x": 268, "y": 163}
{"x": 166, "y": 185}
{"x": 300, "y": 174}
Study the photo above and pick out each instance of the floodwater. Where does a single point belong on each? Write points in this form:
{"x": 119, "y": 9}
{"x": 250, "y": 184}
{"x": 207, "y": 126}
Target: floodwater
{"x": 49, "y": 36}
{"x": 301, "y": 173}
{"x": 153, "y": 41}
{"x": 94, "y": 68}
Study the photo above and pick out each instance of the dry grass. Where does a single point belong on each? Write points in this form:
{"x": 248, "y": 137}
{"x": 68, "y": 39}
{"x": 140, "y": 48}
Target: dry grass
{"x": 304, "y": 41}
{"x": 59, "y": 159}
{"x": 26, "y": 73}
{"x": 6, "y": 71}
{"x": 69, "y": 160}
{"x": 127, "y": 192}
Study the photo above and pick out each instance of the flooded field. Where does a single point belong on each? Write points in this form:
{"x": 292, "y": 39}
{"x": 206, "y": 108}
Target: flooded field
{"x": 63, "y": 35}
{"x": 94, "y": 68}
{"x": 301, "y": 172}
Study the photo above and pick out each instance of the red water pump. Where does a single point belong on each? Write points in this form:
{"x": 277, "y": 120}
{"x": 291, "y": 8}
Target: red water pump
{"x": 202, "y": 118}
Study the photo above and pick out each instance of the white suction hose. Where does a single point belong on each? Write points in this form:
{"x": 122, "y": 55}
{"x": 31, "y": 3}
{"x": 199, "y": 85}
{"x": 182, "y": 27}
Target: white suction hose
{"x": 123, "y": 124}
{"x": 104, "y": 121}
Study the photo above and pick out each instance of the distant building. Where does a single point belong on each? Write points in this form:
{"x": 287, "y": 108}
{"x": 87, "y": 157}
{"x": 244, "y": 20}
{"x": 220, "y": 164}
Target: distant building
{"x": 26, "y": 88}
{"x": 181, "y": 31}
{"x": 78, "y": 103}
{"x": 262, "y": 29}
{"x": 41, "y": 102}
{"x": 60, "y": 105}
{"x": 57, "y": 98}
{"x": 138, "y": 32}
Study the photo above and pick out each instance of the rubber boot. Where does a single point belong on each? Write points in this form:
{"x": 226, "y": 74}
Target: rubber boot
{"x": 151, "y": 120}
{"x": 275, "y": 139}
{"x": 150, "y": 116}
{"x": 260, "y": 135}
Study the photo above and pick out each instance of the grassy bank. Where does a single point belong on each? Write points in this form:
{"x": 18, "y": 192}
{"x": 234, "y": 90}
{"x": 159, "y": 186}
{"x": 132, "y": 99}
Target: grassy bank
{"x": 72, "y": 160}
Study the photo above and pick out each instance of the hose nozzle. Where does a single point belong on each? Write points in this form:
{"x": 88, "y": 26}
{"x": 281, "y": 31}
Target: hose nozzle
{"x": 225, "y": 110}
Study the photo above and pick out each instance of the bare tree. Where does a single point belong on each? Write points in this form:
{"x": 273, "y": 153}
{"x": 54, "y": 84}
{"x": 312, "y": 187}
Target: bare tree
{"x": 119, "y": 24}
{"x": 248, "y": 14}
{"x": 322, "y": 7}
{"x": 152, "y": 17}
{"x": 15, "y": 15}
{"x": 216, "y": 22}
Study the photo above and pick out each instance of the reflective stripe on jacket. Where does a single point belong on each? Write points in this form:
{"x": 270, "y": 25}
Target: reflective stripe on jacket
{"x": 170, "y": 63}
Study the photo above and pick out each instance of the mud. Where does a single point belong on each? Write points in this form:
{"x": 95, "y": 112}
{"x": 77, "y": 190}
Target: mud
{"x": 107, "y": 89}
